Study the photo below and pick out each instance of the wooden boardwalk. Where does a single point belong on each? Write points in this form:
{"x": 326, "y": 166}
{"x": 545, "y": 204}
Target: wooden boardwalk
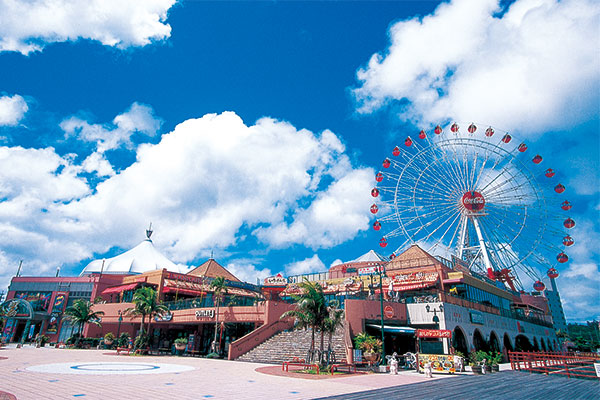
{"x": 511, "y": 385}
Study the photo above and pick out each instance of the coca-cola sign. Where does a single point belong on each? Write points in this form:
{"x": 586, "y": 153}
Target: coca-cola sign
{"x": 473, "y": 201}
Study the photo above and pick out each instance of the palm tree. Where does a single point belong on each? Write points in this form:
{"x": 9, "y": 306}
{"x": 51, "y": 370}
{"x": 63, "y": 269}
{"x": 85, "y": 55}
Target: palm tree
{"x": 146, "y": 304}
{"x": 332, "y": 323}
{"x": 311, "y": 310}
{"x": 81, "y": 313}
{"x": 219, "y": 291}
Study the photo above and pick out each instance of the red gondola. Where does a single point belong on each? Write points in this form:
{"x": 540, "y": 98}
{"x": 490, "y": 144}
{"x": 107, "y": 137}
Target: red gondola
{"x": 377, "y": 225}
{"x": 392, "y": 256}
{"x": 522, "y": 147}
{"x": 506, "y": 138}
{"x": 568, "y": 241}
{"x": 374, "y": 209}
{"x": 539, "y": 286}
{"x": 454, "y": 127}
{"x": 550, "y": 173}
{"x": 438, "y": 130}
{"x": 569, "y": 223}
{"x": 537, "y": 159}
{"x": 408, "y": 142}
{"x": 375, "y": 192}
{"x": 386, "y": 163}
{"x": 396, "y": 151}
{"x": 552, "y": 273}
{"x": 422, "y": 135}
{"x": 562, "y": 258}
{"x": 383, "y": 242}
{"x": 379, "y": 177}
{"x": 559, "y": 188}
{"x": 472, "y": 128}
{"x": 489, "y": 132}
{"x": 566, "y": 205}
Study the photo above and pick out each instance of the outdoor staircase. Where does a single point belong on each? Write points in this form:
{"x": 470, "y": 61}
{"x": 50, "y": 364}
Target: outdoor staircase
{"x": 289, "y": 344}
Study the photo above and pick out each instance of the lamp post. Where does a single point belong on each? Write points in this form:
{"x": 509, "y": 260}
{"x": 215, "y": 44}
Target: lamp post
{"x": 381, "y": 269}
{"x": 120, "y": 320}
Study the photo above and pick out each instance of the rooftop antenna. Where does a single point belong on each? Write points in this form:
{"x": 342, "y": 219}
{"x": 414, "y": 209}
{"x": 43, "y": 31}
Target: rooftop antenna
{"x": 57, "y": 271}
{"x": 211, "y": 255}
{"x": 149, "y": 231}
{"x": 19, "y": 269}
{"x": 102, "y": 268}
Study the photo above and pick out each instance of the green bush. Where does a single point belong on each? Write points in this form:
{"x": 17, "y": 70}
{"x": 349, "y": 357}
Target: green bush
{"x": 124, "y": 340}
{"x": 109, "y": 336}
{"x": 367, "y": 343}
{"x": 181, "y": 340}
{"x": 141, "y": 341}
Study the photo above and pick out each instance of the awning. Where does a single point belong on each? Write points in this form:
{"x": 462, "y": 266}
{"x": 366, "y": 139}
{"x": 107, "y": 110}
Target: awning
{"x": 394, "y": 329}
{"x": 119, "y": 289}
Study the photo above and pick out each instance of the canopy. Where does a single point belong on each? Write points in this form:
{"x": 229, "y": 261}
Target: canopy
{"x": 119, "y": 289}
{"x": 394, "y": 329}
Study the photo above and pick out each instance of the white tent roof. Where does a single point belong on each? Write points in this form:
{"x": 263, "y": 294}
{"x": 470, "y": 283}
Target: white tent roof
{"x": 370, "y": 256}
{"x": 142, "y": 258}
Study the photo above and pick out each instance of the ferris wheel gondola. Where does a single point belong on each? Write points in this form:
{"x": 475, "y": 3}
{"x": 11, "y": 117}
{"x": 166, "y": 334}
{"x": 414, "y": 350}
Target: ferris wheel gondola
{"x": 477, "y": 197}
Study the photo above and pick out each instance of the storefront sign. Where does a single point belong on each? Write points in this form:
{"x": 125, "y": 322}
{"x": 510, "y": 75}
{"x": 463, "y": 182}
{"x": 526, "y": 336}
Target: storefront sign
{"x": 441, "y": 363}
{"x": 388, "y": 312}
{"x": 184, "y": 278}
{"x": 53, "y": 323}
{"x": 166, "y": 317}
{"x": 370, "y": 270}
{"x": 276, "y": 280}
{"x": 434, "y": 333}
{"x": 597, "y": 368}
{"x": 210, "y": 313}
{"x": 477, "y": 318}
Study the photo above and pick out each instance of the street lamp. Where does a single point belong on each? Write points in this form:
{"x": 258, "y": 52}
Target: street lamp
{"x": 120, "y": 320}
{"x": 436, "y": 319}
{"x": 381, "y": 269}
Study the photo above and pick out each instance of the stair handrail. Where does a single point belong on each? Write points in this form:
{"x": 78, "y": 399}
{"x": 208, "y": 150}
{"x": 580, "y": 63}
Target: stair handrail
{"x": 348, "y": 344}
{"x": 257, "y": 337}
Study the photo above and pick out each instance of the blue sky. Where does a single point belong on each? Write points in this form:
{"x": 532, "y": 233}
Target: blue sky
{"x": 253, "y": 129}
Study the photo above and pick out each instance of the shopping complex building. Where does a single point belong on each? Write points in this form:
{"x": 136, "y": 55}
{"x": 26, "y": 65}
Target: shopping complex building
{"x": 414, "y": 291}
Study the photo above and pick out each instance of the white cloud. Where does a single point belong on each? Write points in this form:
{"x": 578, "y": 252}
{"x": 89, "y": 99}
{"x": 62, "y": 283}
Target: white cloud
{"x": 208, "y": 184}
{"x": 138, "y": 118}
{"x": 306, "y": 266}
{"x": 334, "y": 217}
{"x": 12, "y": 109}
{"x": 534, "y": 68}
{"x": 247, "y": 272}
{"x": 26, "y": 26}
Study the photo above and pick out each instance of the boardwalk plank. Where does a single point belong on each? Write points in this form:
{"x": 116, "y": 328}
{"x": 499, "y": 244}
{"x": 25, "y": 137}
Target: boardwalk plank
{"x": 504, "y": 385}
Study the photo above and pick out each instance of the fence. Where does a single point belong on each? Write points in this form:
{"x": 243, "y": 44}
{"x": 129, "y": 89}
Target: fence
{"x": 573, "y": 365}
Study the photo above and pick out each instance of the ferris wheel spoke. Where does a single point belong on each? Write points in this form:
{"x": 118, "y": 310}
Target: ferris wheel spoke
{"x": 454, "y": 218}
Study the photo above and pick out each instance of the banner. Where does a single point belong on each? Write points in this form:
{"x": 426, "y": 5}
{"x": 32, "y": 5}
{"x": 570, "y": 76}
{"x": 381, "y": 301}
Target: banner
{"x": 433, "y": 333}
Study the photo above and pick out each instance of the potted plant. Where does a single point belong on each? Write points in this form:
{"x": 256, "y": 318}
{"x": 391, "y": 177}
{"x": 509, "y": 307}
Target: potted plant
{"x": 109, "y": 339}
{"x": 474, "y": 363}
{"x": 180, "y": 344}
{"x": 495, "y": 358}
{"x": 42, "y": 340}
{"x": 370, "y": 346}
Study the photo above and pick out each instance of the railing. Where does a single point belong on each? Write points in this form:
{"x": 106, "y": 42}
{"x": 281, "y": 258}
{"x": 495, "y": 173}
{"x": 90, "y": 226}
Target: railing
{"x": 208, "y": 302}
{"x": 257, "y": 337}
{"x": 576, "y": 365}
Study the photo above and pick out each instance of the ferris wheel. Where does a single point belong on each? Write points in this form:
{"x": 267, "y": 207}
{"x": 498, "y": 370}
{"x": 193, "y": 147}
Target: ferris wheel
{"x": 480, "y": 198}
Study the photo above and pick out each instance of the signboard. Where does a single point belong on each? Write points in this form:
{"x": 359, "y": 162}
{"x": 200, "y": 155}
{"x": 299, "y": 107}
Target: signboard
{"x": 166, "y": 317}
{"x": 53, "y": 323}
{"x": 60, "y": 301}
{"x": 276, "y": 280}
{"x": 184, "y": 278}
{"x": 440, "y": 363}
{"x": 597, "y": 368}
{"x": 371, "y": 270}
{"x": 388, "y": 312}
{"x": 433, "y": 333}
{"x": 477, "y": 318}
{"x": 210, "y": 313}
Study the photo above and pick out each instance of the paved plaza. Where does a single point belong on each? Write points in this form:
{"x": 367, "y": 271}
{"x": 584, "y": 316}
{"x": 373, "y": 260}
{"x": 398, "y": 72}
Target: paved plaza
{"x": 48, "y": 373}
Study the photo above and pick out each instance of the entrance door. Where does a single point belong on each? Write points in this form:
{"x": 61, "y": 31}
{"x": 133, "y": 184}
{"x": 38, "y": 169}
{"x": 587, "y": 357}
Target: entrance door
{"x": 19, "y": 331}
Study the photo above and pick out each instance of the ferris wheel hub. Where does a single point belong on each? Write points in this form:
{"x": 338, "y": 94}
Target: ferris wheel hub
{"x": 473, "y": 201}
